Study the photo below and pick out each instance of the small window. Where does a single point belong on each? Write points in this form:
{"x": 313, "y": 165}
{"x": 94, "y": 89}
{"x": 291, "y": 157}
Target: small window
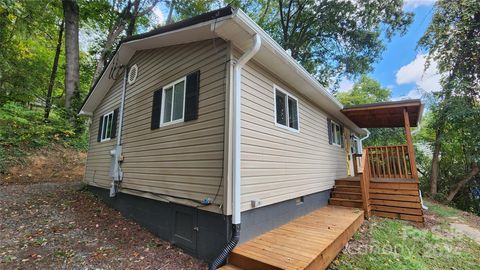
{"x": 286, "y": 110}
{"x": 107, "y": 127}
{"x": 299, "y": 200}
{"x": 336, "y": 134}
{"x": 173, "y": 103}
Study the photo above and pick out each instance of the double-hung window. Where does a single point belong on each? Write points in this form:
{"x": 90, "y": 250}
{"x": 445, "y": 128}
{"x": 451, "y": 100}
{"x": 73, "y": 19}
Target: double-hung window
{"x": 336, "y": 133}
{"x": 107, "y": 124}
{"x": 286, "y": 110}
{"x": 173, "y": 103}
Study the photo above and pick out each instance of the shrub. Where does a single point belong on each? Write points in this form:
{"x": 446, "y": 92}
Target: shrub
{"x": 23, "y": 129}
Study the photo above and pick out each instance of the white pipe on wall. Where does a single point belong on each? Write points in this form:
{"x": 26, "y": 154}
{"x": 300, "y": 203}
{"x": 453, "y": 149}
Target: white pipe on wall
{"x": 362, "y": 139}
{"x": 237, "y": 75}
{"x": 122, "y": 106}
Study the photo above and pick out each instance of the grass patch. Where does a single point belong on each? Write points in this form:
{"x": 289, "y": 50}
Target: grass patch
{"x": 443, "y": 210}
{"x": 390, "y": 244}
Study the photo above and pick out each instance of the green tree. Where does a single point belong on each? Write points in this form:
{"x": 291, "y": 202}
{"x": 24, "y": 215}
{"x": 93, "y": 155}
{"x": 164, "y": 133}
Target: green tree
{"x": 329, "y": 38}
{"x": 452, "y": 40}
{"x": 368, "y": 90}
{"x": 25, "y": 48}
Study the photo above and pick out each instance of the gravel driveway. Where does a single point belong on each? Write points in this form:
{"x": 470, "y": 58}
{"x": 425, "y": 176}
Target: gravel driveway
{"x": 60, "y": 226}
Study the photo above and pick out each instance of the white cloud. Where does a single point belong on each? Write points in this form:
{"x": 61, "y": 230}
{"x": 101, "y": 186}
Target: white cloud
{"x": 426, "y": 81}
{"x": 158, "y": 15}
{"x": 417, "y": 3}
{"x": 345, "y": 85}
{"x": 414, "y": 72}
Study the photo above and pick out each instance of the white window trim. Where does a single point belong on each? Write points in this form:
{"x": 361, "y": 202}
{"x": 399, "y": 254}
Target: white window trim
{"x": 333, "y": 133}
{"x": 104, "y": 129}
{"x": 163, "y": 124}
{"x": 288, "y": 95}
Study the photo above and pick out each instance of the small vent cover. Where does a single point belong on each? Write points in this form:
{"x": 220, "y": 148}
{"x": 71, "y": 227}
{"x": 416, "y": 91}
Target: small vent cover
{"x": 132, "y": 74}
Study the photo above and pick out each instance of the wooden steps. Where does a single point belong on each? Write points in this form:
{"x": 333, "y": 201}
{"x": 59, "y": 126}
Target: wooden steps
{"x": 309, "y": 242}
{"x": 346, "y": 192}
{"x": 346, "y": 202}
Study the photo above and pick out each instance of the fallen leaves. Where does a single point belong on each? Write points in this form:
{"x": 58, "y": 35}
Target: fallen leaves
{"x": 52, "y": 226}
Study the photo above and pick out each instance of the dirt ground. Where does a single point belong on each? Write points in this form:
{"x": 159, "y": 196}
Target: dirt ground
{"x": 52, "y": 164}
{"x": 59, "y": 226}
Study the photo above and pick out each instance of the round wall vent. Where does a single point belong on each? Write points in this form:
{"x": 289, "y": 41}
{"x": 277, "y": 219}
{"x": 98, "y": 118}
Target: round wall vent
{"x": 132, "y": 74}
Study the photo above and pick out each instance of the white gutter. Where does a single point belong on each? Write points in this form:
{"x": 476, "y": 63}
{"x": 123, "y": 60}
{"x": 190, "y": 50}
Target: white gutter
{"x": 237, "y": 75}
{"x": 364, "y": 138}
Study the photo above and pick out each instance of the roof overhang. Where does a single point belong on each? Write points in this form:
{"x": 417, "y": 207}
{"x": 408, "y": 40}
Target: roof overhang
{"x": 385, "y": 114}
{"x": 235, "y": 26}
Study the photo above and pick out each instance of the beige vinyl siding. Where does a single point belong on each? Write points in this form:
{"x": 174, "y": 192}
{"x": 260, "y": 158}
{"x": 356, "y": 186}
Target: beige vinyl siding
{"x": 178, "y": 161}
{"x": 279, "y": 164}
{"x": 98, "y": 157}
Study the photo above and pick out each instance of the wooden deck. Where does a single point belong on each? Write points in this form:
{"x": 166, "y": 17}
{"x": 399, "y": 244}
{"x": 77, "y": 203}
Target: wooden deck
{"x": 308, "y": 242}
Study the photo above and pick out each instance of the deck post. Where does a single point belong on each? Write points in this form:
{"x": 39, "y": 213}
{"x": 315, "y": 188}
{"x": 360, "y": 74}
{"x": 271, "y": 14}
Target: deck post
{"x": 411, "y": 151}
{"x": 365, "y": 183}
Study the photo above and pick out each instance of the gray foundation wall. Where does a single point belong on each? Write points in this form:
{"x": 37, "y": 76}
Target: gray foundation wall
{"x": 263, "y": 219}
{"x": 203, "y": 234}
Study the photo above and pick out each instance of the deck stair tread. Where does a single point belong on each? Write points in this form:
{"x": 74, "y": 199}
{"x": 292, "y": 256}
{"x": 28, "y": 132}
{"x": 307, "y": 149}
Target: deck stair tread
{"x": 308, "y": 242}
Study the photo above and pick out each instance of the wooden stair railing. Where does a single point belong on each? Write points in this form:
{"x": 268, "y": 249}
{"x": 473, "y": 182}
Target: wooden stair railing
{"x": 390, "y": 162}
{"x": 389, "y": 187}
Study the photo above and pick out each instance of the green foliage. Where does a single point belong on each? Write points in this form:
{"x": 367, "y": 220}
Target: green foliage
{"x": 26, "y": 51}
{"x": 452, "y": 40}
{"x": 329, "y": 38}
{"x": 368, "y": 90}
{"x": 23, "y": 129}
{"x": 394, "y": 245}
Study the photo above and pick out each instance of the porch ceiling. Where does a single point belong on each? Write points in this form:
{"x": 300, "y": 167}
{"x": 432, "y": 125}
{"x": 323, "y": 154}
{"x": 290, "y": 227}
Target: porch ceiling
{"x": 385, "y": 114}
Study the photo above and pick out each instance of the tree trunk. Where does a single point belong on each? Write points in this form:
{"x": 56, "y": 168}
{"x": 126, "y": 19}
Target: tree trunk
{"x": 463, "y": 182}
{"x": 170, "y": 12}
{"x": 126, "y": 18}
{"x": 133, "y": 18}
{"x": 53, "y": 75}
{"x": 435, "y": 163}
{"x": 102, "y": 60}
{"x": 72, "y": 69}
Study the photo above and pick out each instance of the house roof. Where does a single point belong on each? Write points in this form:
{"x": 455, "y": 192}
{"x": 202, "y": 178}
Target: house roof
{"x": 231, "y": 25}
{"x": 385, "y": 114}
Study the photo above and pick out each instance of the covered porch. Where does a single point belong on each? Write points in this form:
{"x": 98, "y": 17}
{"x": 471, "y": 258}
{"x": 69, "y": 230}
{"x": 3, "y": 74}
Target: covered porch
{"x": 386, "y": 175}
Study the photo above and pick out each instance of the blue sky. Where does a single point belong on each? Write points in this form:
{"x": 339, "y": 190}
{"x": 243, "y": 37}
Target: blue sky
{"x": 401, "y": 67}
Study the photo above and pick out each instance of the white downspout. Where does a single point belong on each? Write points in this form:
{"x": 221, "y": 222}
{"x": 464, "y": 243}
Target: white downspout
{"x": 237, "y": 75}
{"x": 364, "y": 138}
{"x": 122, "y": 106}
{"x": 116, "y": 153}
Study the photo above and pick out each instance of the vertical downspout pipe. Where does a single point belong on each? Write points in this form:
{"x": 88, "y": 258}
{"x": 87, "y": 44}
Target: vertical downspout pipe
{"x": 117, "y": 151}
{"x": 122, "y": 106}
{"x": 236, "y": 215}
